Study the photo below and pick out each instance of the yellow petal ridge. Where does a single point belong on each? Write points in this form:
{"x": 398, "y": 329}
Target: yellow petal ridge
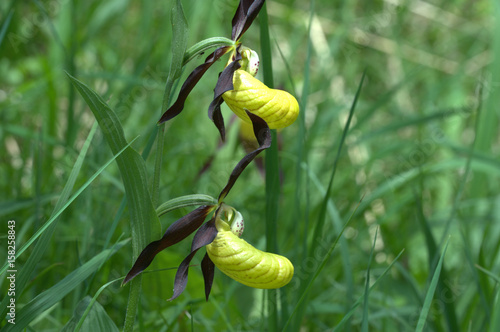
{"x": 248, "y": 265}
{"x": 277, "y": 107}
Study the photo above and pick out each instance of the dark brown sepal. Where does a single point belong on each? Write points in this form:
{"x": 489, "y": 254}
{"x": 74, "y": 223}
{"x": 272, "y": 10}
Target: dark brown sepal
{"x": 205, "y": 235}
{"x": 208, "y": 269}
{"x": 263, "y": 135}
{"x": 224, "y": 83}
{"x": 190, "y": 83}
{"x": 178, "y": 231}
{"x": 245, "y": 14}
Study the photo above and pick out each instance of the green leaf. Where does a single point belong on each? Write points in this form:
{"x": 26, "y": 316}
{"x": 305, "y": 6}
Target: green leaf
{"x": 184, "y": 201}
{"x": 180, "y": 32}
{"x": 144, "y": 222}
{"x": 204, "y": 45}
{"x": 96, "y": 320}
{"x": 433, "y": 253}
{"x": 51, "y": 296}
{"x": 430, "y": 292}
{"x": 132, "y": 168}
{"x": 86, "y": 310}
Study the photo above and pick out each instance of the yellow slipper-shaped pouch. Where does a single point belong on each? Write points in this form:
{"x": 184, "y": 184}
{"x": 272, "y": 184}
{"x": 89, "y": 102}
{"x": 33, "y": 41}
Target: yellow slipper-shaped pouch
{"x": 244, "y": 263}
{"x": 277, "y": 107}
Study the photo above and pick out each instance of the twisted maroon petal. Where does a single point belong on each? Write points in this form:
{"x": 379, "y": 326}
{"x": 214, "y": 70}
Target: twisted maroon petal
{"x": 190, "y": 83}
{"x": 205, "y": 235}
{"x": 224, "y": 83}
{"x": 263, "y": 135}
{"x": 178, "y": 231}
{"x": 245, "y": 14}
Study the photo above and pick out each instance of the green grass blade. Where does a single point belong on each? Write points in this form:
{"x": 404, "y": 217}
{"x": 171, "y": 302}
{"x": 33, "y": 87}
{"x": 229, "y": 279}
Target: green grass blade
{"x": 5, "y": 25}
{"x": 322, "y": 215}
{"x": 360, "y": 299}
{"x": 180, "y": 33}
{"x": 365, "y": 320}
{"x": 476, "y": 278}
{"x": 179, "y": 43}
{"x": 272, "y": 171}
{"x": 80, "y": 323}
{"x": 15, "y": 205}
{"x": 495, "y": 317}
{"x": 89, "y": 305}
{"x": 430, "y": 292}
{"x": 51, "y": 296}
{"x": 302, "y": 157}
{"x": 47, "y": 230}
{"x": 488, "y": 126}
{"x": 58, "y": 212}
{"x": 143, "y": 219}
{"x": 310, "y": 282}
{"x": 489, "y": 273}
{"x": 97, "y": 318}
{"x": 318, "y": 230}
{"x": 433, "y": 254}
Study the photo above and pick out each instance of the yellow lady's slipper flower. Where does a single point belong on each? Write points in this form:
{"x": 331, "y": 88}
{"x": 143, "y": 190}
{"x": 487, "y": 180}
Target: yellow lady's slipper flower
{"x": 244, "y": 263}
{"x": 277, "y": 107}
{"x": 273, "y": 271}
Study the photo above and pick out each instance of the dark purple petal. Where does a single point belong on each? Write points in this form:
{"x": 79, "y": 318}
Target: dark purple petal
{"x": 205, "y": 235}
{"x": 190, "y": 82}
{"x": 178, "y": 231}
{"x": 263, "y": 135}
{"x": 181, "y": 277}
{"x": 245, "y": 14}
{"x": 208, "y": 269}
{"x": 239, "y": 18}
{"x": 224, "y": 83}
{"x": 218, "y": 119}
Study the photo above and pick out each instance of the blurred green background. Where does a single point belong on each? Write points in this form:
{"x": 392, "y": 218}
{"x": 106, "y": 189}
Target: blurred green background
{"x": 419, "y": 166}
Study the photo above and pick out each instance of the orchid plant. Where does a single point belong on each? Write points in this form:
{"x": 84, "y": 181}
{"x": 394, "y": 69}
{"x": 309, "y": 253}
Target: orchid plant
{"x": 265, "y": 109}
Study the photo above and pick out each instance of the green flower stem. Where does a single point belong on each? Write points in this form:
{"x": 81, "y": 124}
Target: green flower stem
{"x": 272, "y": 171}
{"x": 204, "y": 45}
{"x": 132, "y": 304}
